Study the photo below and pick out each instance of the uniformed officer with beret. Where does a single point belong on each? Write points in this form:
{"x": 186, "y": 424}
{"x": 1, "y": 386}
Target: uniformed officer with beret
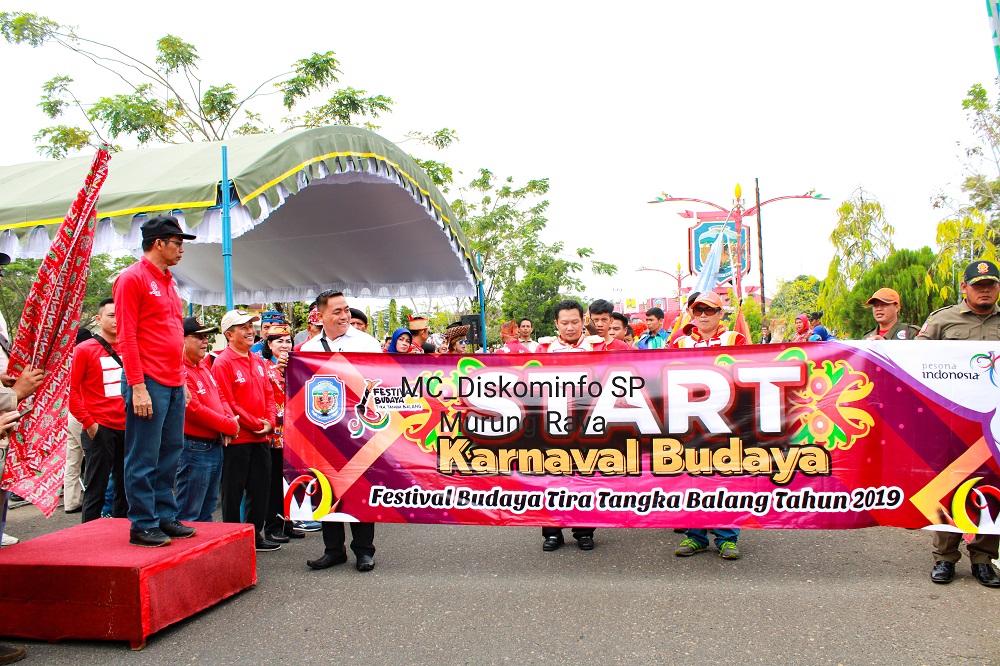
{"x": 885, "y": 309}
{"x": 977, "y": 317}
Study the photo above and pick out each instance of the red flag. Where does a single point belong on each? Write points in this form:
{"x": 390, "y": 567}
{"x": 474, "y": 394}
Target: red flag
{"x": 740, "y": 325}
{"x": 45, "y": 339}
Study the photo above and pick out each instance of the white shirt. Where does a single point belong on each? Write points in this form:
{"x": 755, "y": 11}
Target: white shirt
{"x": 351, "y": 341}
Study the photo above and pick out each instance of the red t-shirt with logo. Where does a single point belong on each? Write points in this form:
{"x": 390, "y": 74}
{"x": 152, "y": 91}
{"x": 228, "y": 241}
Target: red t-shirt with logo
{"x": 244, "y": 385}
{"x": 150, "y": 324}
{"x": 208, "y": 414}
{"x": 95, "y": 387}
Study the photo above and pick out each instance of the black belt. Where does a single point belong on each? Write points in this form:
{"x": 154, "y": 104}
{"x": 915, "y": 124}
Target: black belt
{"x": 204, "y": 440}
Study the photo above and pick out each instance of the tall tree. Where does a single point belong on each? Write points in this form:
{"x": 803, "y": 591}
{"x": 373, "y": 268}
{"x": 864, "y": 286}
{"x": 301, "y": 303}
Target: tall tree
{"x": 861, "y": 239}
{"x": 165, "y": 101}
{"x": 794, "y": 297}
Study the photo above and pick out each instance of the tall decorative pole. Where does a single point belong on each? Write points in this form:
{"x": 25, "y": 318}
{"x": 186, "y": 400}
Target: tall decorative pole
{"x": 227, "y": 233}
{"x": 677, "y": 276}
{"x": 736, "y": 213}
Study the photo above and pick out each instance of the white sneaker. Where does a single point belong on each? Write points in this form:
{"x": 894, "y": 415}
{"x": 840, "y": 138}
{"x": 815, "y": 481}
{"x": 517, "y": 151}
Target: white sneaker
{"x": 9, "y": 540}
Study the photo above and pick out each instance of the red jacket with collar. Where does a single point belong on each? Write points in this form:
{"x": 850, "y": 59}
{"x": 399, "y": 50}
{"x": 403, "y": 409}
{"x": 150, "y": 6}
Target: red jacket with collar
{"x": 244, "y": 385}
{"x": 150, "y": 324}
{"x": 208, "y": 414}
{"x": 95, "y": 387}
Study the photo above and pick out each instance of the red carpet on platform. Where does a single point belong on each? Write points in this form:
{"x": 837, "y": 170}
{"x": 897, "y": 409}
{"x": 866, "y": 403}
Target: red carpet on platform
{"x": 88, "y": 582}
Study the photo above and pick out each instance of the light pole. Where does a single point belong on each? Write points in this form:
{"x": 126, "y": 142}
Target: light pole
{"x": 677, "y": 276}
{"x": 736, "y": 213}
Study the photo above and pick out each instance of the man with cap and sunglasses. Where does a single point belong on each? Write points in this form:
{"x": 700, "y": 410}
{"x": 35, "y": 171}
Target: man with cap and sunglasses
{"x": 977, "y": 317}
{"x": 706, "y": 330}
{"x": 885, "y": 309}
{"x": 148, "y": 313}
{"x": 246, "y": 462}
{"x": 209, "y": 424}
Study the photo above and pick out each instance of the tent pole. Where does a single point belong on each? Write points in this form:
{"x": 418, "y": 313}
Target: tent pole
{"x": 482, "y": 302}
{"x": 227, "y": 236}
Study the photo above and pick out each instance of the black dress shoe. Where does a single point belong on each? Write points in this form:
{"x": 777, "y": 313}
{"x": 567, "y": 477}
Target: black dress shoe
{"x": 78, "y": 509}
{"x": 276, "y": 537}
{"x": 263, "y": 545}
{"x": 985, "y": 574}
{"x": 365, "y": 563}
{"x": 585, "y": 543}
{"x": 552, "y": 543}
{"x": 292, "y": 533}
{"x": 176, "y": 530}
{"x": 328, "y": 560}
{"x": 151, "y": 538}
{"x": 943, "y": 572}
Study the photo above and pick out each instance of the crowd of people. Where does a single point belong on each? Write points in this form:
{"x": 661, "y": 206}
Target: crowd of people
{"x": 169, "y": 432}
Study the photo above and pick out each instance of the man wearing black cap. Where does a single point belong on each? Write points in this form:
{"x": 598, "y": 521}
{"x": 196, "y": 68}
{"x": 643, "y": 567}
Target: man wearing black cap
{"x": 359, "y": 320}
{"x": 977, "y": 317}
{"x": 209, "y": 424}
{"x": 149, "y": 318}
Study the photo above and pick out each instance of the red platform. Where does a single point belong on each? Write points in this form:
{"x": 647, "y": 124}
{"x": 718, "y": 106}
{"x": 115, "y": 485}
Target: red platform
{"x": 88, "y": 582}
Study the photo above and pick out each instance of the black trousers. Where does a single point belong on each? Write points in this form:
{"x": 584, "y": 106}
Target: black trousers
{"x": 362, "y": 538}
{"x": 246, "y": 470}
{"x": 577, "y": 531}
{"x": 105, "y": 456}
{"x": 275, "y": 522}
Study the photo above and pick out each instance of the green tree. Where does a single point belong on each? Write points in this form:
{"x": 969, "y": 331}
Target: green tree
{"x": 794, "y": 297}
{"x": 861, "y": 239}
{"x": 753, "y": 316}
{"x": 503, "y": 223}
{"x": 907, "y": 272}
{"x": 165, "y": 101}
{"x": 548, "y": 279}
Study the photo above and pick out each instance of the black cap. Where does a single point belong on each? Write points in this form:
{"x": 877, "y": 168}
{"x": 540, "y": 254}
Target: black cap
{"x": 978, "y": 271}
{"x": 358, "y": 314}
{"x": 4, "y": 259}
{"x": 193, "y": 327}
{"x": 163, "y": 226}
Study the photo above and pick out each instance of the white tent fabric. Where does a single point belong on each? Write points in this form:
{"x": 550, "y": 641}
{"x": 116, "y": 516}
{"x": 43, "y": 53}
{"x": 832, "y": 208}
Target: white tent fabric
{"x": 358, "y": 224}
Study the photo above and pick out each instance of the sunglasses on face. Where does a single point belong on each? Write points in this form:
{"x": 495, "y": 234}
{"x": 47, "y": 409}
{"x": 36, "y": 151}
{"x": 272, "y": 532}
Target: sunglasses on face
{"x": 699, "y": 311}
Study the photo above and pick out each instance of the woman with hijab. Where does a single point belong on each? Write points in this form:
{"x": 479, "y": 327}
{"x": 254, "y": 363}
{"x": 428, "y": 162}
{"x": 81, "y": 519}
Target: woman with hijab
{"x": 275, "y": 348}
{"x": 802, "y": 330}
{"x": 400, "y": 342}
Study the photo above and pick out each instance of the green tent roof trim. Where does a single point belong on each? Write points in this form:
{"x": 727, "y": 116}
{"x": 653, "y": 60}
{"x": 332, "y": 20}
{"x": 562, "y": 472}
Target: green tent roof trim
{"x": 267, "y": 171}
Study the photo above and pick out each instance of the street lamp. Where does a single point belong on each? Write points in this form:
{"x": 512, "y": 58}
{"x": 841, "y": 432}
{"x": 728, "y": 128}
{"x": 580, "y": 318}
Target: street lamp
{"x": 736, "y": 213}
{"x": 677, "y": 276}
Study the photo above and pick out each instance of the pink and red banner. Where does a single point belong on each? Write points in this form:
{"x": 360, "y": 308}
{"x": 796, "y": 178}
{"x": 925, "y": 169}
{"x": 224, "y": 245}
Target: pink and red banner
{"x": 818, "y": 435}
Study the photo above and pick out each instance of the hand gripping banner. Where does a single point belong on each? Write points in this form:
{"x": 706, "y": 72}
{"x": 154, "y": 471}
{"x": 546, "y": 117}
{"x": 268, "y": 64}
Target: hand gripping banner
{"x": 818, "y": 435}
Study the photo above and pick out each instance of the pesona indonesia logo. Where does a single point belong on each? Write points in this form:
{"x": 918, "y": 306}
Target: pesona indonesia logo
{"x": 988, "y": 363}
{"x": 325, "y": 400}
{"x": 949, "y": 371}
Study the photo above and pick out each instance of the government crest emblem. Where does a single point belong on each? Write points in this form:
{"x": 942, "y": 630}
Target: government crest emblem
{"x": 325, "y": 400}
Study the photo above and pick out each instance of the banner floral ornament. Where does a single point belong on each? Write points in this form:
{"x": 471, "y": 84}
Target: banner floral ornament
{"x": 820, "y": 412}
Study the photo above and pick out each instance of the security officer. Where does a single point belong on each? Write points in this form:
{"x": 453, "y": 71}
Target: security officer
{"x": 977, "y": 317}
{"x": 885, "y": 310}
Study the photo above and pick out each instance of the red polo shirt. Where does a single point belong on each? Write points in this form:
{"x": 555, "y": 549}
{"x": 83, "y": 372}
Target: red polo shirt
{"x": 95, "y": 388}
{"x": 150, "y": 326}
{"x": 207, "y": 415}
{"x": 245, "y": 386}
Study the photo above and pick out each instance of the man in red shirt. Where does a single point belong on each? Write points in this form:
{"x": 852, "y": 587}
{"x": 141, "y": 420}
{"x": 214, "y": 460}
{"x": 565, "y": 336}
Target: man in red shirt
{"x": 708, "y": 331}
{"x": 95, "y": 399}
{"x": 571, "y": 338}
{"x": 209, "y": 424}
{"x": 246, "y": 461}
{"x": 601, "y": 313}
{"x": 148, "y": 311}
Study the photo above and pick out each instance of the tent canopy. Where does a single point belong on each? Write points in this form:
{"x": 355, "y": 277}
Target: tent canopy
{"x": 328, "y": 208}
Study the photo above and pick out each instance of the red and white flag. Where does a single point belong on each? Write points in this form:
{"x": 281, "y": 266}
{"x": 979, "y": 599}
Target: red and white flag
{"x": 45, "y": 339}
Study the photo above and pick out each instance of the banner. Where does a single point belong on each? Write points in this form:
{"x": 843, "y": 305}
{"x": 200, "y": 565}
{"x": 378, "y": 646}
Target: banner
{"x": 819, "y": 435}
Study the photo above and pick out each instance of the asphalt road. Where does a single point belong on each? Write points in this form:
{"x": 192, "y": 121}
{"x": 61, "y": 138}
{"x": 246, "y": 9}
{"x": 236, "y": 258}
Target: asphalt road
{"x": 477, "y": 595}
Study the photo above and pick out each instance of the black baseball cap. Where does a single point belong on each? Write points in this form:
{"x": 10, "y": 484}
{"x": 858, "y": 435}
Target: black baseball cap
{"x": 4, "y": 259}
{"x": 358, "y": 314}
{"x": 194, "y": 327}
{"x": 163, "y": 226}
{"x": 977, "y": 271}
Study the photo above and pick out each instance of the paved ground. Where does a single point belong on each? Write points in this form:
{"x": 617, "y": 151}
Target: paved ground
{"x": 468, "y": 595}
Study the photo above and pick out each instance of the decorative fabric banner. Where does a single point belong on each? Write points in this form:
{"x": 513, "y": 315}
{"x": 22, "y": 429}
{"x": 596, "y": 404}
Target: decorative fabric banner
{"x": 45, "y": 339}
{"x": 817, "y": 435}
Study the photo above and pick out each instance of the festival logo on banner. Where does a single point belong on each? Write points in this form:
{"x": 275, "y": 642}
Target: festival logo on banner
{"x": 326, "y": 402}
{"x": 373, "y": 410}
